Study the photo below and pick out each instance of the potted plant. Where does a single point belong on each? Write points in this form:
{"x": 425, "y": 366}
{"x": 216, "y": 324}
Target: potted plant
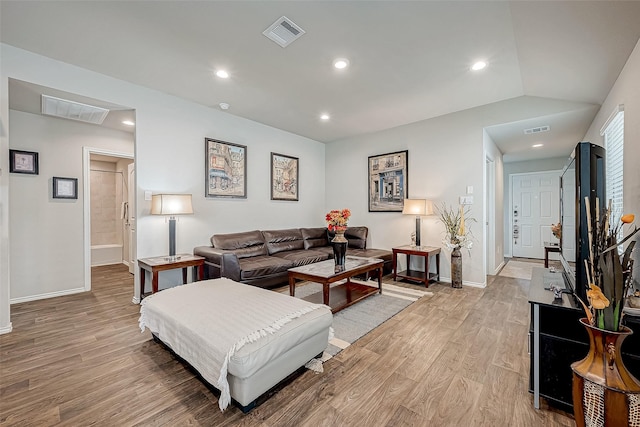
{"x": 337, "y": 222}
{"x": 457, "y": 236}
{"x": 601, "y": 383}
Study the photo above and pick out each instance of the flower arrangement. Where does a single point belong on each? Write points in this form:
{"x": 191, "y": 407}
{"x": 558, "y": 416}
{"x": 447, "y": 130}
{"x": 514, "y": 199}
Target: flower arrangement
{"x": 608, "y": 274}
{"x": 337, "y": 219}
{"x": 556, "y": 230}
{"x": 457, "y": 235}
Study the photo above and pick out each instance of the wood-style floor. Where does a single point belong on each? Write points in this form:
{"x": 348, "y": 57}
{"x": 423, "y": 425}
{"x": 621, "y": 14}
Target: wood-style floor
{"x": 458, "y": 358}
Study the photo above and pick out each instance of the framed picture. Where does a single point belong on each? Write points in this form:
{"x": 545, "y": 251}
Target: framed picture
{"x": 23, "y": 162}
{"x": 284, "y": 177}
{"x": 226, "y": 166}
{"x": 65, "y": 188}
{"x": 388, "y": 181}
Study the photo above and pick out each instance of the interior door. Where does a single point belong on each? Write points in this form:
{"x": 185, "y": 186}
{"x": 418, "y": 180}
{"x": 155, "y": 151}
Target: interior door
{"x": 534, "y": 207}
{"x": 131, "y": 233}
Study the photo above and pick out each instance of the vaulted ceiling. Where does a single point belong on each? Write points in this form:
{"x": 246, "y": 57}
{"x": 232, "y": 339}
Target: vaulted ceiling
{"x": 409, "y": 61}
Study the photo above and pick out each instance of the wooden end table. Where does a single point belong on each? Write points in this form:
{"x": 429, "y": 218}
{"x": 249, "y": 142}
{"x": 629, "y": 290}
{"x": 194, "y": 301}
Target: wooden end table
{"x": 549, "y": 247}
{"x": 157, "y": 264}
{"x": 416, "y": 275}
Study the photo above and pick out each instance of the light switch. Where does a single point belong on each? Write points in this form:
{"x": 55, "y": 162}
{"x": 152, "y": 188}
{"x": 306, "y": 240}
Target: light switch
{"x": 147, "y": 195}
{"x": 469, "y": 189}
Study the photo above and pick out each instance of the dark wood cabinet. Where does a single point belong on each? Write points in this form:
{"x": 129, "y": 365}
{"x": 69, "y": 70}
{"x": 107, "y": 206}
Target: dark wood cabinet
{"x": 557, "y": 339}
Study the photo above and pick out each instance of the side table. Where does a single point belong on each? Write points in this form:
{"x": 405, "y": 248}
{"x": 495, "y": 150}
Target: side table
{"x": 549, "y": 247}
{"x": 157, "y": 264}
{"x": 415, "y": 275}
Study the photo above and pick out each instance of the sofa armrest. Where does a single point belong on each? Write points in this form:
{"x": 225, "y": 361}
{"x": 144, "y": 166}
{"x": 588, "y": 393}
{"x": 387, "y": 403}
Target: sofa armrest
{"x": 226, "y": 261}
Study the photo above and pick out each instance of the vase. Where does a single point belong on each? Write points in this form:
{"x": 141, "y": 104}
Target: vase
{"x": 456, "y": 268}
{"x": 339, "y": 243}
{"x": 604, "y": 392}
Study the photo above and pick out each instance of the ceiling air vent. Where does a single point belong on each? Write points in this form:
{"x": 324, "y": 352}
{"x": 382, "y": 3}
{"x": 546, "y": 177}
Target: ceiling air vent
{"x": 536, "y": 130}
{"x": 65, "y": 109}
{"x": 284, "y": 31}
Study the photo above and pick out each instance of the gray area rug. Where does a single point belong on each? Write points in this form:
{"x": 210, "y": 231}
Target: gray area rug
{"x": 359, "y": 319}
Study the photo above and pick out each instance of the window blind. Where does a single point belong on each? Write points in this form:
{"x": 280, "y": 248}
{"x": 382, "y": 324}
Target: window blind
{"x": 614, "y": 144}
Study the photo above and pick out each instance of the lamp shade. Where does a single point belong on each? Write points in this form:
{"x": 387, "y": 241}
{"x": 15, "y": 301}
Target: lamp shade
{"x": 171, "y": 204}
{"x": 429, "y": 207}
{"x": 415, "y": 207}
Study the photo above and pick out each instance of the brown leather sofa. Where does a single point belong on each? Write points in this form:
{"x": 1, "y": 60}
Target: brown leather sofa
{"x": 262, "y": 258}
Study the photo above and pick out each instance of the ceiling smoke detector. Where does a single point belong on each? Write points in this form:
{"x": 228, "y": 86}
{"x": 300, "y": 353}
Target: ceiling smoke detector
{"x": 72, "y": 110}
{"x": 284, "y": 31}
{"x": 536, "y": 130}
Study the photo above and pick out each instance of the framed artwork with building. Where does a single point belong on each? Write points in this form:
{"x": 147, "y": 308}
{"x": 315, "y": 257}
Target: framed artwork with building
{"x": 284, "y": 177}
{"x": 226, "y": 169}
{"x": 388, "y": 181}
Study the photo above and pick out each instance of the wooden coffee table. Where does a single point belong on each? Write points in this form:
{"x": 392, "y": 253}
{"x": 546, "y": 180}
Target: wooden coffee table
{"x": 342, "y": 295}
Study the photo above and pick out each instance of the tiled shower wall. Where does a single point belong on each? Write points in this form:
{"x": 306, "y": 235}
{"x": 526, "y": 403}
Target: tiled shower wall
{"x": 106, "y": 199}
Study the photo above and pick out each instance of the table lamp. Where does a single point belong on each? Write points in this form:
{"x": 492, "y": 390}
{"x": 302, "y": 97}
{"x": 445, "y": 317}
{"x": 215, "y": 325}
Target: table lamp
{"x": 172, "y": 205}
{"x": 417, "y": 207}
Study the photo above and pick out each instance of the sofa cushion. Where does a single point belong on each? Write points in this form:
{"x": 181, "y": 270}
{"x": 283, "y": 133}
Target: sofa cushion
{"x": 283, "y": 240}
{"x": 357, "y": 237}
{"x": 264, "y": 265}
{"x": 244, "y": 245}
{"x": 303, "y": 256}
{"x": 314, "y": 237}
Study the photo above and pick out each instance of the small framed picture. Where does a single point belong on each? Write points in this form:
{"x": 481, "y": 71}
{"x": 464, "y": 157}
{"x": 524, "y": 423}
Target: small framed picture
{"x": 284, "y": 177}
{"x": 65, "y": 188}
{"x": 23, "y": 162}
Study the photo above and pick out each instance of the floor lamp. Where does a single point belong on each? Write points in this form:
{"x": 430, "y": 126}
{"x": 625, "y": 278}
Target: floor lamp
{"x": 417, "y": 207}
{"x": 172, "y": 205}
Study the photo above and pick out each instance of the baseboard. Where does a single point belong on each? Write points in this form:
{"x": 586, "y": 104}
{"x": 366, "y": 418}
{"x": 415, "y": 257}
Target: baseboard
{"x": 500, "y": 267}
{"x": 47, "y": 295}
{"x": 6, "y": 329}
{"x": 465, "y": 283}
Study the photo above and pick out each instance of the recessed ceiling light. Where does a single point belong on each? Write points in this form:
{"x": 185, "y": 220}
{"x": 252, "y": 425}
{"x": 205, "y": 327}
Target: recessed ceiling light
{"x": 224, "y": 106}
{"x": 537, "y": 145}
{"x": 478, "y": 66}
{"x": 128, "y": 123}
{"x": 222, "y": 74}
{"x": 341, "y": 63}
{"x": 325, "y": 117}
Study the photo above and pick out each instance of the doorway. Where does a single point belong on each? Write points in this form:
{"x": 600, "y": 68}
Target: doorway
{"x": 109, "y": 185}
{"x": 489, "y": 204}
{"x": 534, "y": 207}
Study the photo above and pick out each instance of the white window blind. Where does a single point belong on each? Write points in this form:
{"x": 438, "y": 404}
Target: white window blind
{"x": 614, "y": 145}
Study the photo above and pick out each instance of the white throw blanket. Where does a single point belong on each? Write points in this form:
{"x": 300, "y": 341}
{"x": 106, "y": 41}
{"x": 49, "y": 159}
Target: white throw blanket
{"x": 207, "y": 322}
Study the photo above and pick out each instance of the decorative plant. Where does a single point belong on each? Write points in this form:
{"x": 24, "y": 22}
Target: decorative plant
{"x": 556, "y": 230}
{"x": 457, "y": 235}
{"x": 337, "y": 219}
{"x": 608, "y": 274}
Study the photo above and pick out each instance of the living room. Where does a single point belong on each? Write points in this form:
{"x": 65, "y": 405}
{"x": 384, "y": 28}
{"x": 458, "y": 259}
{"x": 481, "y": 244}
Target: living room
{"x": 446, "y": 155}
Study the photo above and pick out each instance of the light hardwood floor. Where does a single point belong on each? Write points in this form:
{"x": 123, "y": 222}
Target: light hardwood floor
{"x": 458, "y": 358}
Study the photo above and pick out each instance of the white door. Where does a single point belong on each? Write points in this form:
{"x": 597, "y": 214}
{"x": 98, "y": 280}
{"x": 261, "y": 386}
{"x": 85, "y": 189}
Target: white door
{"x": 534, "y": 208}
{"x": 131, "y": 202}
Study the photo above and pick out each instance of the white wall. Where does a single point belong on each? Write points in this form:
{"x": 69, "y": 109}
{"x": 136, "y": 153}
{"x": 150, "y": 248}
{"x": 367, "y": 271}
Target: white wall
{"x": 46, "y": 234}
{"x": 169, "y": 153}
{"x": 493, "y": 154}
{"x": 625, "y": 91}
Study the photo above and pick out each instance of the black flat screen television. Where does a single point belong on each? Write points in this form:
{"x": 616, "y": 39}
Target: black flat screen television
{"x": 584, "y": 175}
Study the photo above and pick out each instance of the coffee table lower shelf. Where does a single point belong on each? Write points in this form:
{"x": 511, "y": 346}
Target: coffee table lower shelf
{"x": 343, "y": 295}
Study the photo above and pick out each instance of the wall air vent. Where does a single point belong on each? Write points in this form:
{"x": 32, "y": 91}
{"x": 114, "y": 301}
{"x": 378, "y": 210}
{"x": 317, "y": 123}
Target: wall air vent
{"x": 536, "y": 130}
{"x": 72, "y": 110}
{"x": 284, "y": 31}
